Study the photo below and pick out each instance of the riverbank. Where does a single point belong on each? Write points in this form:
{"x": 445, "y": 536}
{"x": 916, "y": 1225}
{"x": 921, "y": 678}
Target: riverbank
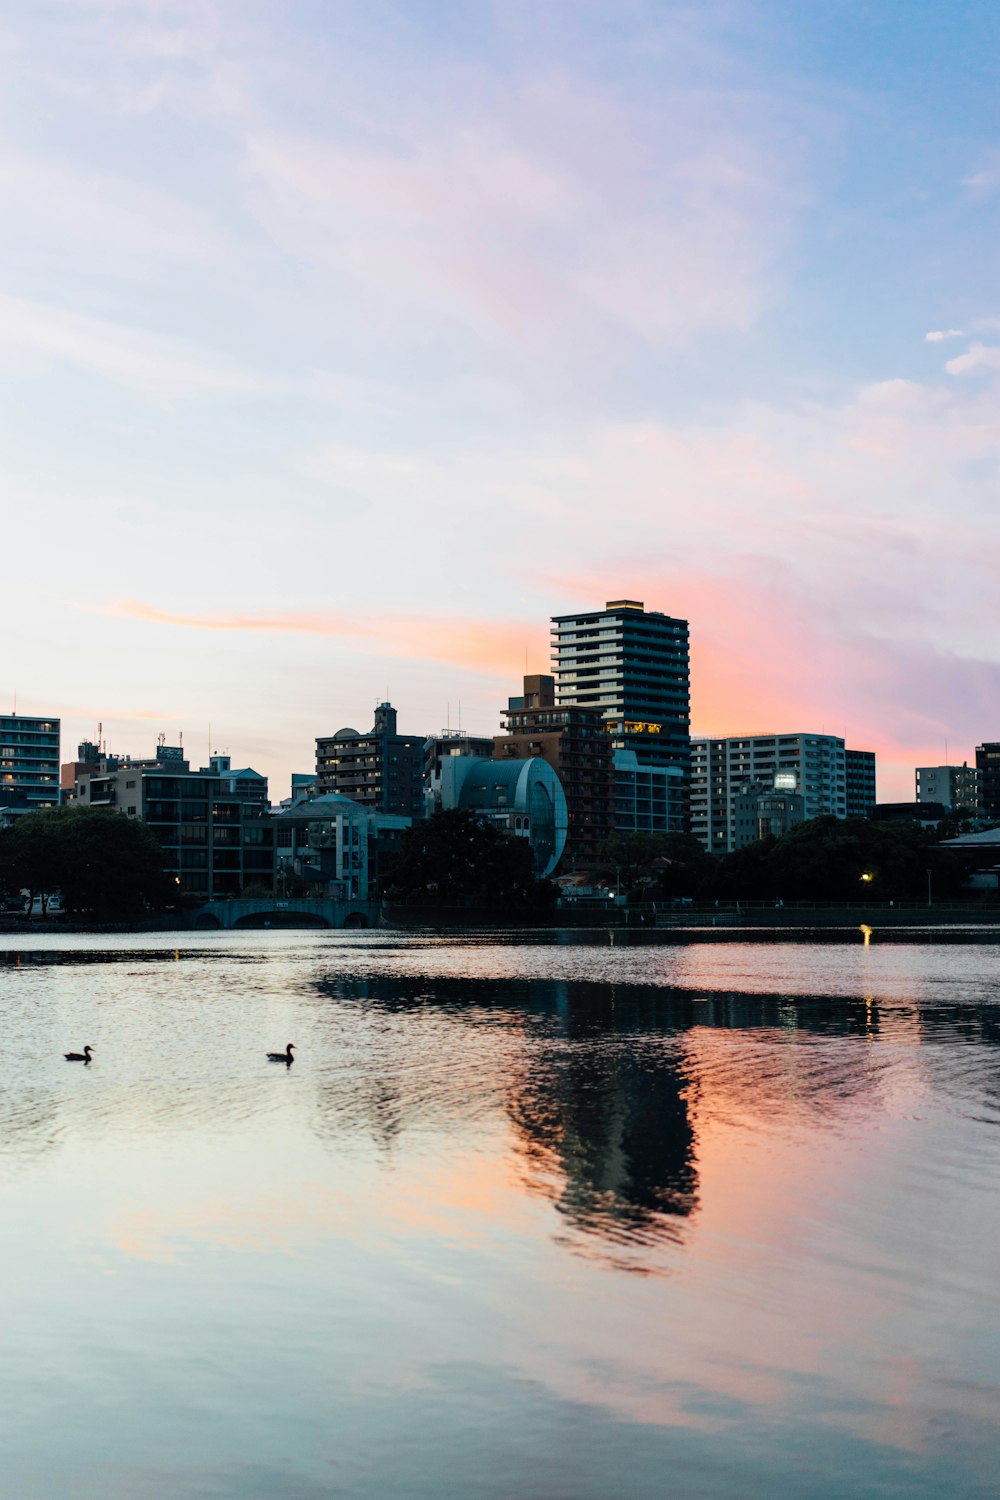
{"x": 743, "y": 922}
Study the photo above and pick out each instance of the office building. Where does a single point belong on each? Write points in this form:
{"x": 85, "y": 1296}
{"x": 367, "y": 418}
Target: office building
{"x": 859, "y": 771}
{"x": 29, "y": 762}
{"x": 951, "y": 786}
{"x": 212, "y": 823}
{"x": 382, "y": 770}
{"x": 647, "y": 799}
{"x": 988, "y": 766}
{"x": 572, "y": 740}
{"x": 813, "y": 766}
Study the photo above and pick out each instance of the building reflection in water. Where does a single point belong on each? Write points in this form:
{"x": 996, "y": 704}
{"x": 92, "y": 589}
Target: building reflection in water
{"x": 598, "y": 1100}
{"x": 604, "y": 1085}
{"x": 604, "y": 1124}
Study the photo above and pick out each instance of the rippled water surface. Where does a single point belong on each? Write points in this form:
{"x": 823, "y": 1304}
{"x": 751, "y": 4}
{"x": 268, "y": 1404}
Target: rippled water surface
{"x": 565, "y": 1218}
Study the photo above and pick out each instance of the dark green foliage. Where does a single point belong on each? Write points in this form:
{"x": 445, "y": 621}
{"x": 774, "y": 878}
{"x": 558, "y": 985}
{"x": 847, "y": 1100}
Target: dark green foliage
{"x": 453, "y": 859}
{"x": 655, "y": 866}
{"x": 826, "y": 858}
{"x": 100, "y": 862}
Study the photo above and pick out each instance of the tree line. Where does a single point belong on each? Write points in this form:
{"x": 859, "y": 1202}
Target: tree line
{"x": 106, "y": 867}
{"x": 824, "y": 859}
{"x": 101, "y": 864}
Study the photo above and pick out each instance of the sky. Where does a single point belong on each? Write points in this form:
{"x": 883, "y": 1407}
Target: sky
{"x": 343, "y": 344}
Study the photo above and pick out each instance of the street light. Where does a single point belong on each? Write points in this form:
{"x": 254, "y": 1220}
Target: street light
{"x": 867, "y": 876}
{"x": 930, "y": 898}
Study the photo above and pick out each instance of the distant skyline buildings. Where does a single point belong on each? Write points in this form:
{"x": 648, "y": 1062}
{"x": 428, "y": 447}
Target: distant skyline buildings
{"x": 811, "y": 768}
{"x": 952, "y": 787}
{"x": 211, "y": 822}
{"x": 29, "y": 761}
{"x": 380, "y": 769}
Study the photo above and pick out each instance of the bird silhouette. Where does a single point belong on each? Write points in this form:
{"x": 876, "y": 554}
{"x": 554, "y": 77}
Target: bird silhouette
{"x": 83, "y": 1056}
{"x": 285, "y": 1057}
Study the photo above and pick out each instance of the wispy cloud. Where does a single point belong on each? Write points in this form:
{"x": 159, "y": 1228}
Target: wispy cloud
{"x": 487, "y": 646}
{"x": 154, "y": 365}
{"x": 561, "y": 213}
{"x": 939, "y": 336}
{"x": 984, "y": 182}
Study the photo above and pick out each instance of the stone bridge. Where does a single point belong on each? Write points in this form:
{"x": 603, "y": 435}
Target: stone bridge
{"x": 285, "y": 912}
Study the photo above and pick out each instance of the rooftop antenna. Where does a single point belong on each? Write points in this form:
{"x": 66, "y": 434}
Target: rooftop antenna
{"x": 460, "y": 716}
{"x": 448, "y": 719}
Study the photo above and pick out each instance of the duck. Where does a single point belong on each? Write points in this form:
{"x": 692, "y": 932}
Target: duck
{"x": 83, "y": 1056}
{"x": 285, "y": 1057}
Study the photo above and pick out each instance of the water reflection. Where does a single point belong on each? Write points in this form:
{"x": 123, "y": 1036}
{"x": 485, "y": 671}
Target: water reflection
{"x": 421, "y": 1228}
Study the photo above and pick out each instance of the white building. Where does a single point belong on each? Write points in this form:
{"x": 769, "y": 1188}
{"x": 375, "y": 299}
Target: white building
{"x": 952, "y": 786}
{"x": 813, "y": 766}
{"x": 333, "y": 841}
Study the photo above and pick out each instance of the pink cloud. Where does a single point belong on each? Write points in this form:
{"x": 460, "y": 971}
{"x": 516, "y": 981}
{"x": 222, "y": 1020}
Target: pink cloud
{"x": 492, "y": 647}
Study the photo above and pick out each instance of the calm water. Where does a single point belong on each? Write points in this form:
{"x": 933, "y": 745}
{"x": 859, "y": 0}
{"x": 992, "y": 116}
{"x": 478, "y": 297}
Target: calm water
{"x": 562, "y": 1220}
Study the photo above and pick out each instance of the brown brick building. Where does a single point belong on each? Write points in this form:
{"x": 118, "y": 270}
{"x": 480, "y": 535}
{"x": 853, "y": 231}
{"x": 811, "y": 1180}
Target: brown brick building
{"x": 575, "y": 744}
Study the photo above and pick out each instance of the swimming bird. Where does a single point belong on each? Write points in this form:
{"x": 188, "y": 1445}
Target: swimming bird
{"x": 83, "y": 1056}
{"x": 285, "y": 1057}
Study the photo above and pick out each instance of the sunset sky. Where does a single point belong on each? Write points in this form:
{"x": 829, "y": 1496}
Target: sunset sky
{"x": 342, "y": 344}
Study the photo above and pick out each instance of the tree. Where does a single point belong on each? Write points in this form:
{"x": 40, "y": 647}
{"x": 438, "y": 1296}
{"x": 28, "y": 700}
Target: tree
{"x": 838, "y": 859}
{"x": 101, "y": 862}
{"x": 661, "y": 865}
{"x": 455, "y": 859}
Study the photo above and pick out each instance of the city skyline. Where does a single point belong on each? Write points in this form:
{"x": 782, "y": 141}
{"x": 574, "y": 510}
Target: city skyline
{"x": 342, "y": 349}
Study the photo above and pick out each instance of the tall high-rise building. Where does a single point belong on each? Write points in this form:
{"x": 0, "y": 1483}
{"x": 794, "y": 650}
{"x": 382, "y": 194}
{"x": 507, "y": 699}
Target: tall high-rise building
{"x": 633, "y": 666}
{"x": 29, "y": 761}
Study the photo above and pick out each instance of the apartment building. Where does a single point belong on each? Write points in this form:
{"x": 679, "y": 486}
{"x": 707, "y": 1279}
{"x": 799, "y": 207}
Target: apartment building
{"x": 951, "y": 786}
{"x": 812, "y": 766}
{"x": 382, "y": 770}
{"x": 29, "y": 762}
{"x": 633, "y": 667}
{"x": 212, "y": 822}
{"x": 573, "y": 741}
